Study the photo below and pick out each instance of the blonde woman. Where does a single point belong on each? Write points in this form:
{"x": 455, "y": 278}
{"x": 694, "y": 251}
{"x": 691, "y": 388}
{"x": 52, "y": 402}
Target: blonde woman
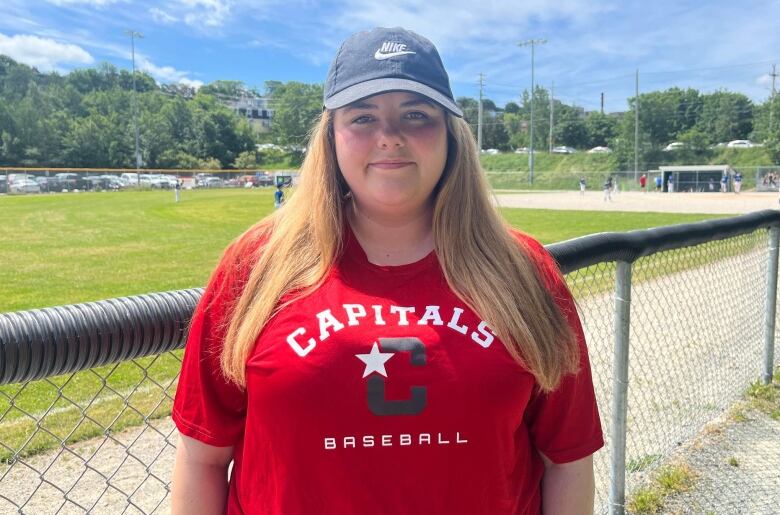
{"x": 384, "y": 343}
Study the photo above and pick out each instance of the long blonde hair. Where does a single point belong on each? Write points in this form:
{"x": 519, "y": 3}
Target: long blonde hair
{"x": 295, "y": 247}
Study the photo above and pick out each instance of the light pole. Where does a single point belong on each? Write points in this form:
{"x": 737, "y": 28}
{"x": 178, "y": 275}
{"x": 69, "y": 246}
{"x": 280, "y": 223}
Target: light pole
{"x": 532, "y": 43}
{"x": 134, "y": 34}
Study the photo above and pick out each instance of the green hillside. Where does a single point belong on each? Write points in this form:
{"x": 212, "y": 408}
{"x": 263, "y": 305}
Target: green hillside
{"x": 562, "y": 171}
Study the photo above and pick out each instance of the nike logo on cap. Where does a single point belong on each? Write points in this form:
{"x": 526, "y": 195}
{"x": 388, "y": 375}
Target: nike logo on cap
{"x": 390, "y": 49}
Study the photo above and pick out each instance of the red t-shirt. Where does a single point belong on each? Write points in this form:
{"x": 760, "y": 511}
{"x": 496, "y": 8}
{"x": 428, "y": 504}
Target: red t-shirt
{"x": 381, "y": 393}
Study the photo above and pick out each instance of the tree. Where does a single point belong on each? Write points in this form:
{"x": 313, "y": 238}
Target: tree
{"x": 494, "y": 134}
{"x": 569, "y": 128}
{"x": 726, "y": 116}
{"x": 512, "y": 107}
{"x": 246, "y": 160}
{"x": 229, "y": 88}
{"x": 296, "y": 108}
{"x": 218, "y": 132}
{"x": 600, "y": 128}
{"x": 210, "y": 163}
{"x": 541, "y": 103}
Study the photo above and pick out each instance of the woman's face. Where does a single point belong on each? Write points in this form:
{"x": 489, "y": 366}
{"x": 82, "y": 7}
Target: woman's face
{"x": 391, "y": 149}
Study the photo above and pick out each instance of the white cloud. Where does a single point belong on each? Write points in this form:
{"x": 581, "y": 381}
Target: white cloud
{"x": 44, "y": 54}
{"x": 206, "y": 14}
{"x": 195, "y": 84}
{"x": 166, "y": 73}
{"x": 93, "y": 3}
{"x": 161, "y": 16}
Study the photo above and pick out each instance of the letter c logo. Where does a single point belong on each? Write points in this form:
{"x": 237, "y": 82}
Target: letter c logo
{"x": 377, "y": 402}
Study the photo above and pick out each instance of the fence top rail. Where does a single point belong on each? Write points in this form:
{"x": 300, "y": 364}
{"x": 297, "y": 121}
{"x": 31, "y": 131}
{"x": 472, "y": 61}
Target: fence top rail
{"x": 629, "y": 246}
{"x": 46, "y": 342}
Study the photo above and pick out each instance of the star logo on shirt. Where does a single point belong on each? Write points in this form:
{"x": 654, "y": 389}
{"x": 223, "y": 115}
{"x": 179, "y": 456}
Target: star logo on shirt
{"x": 375, "y": 360}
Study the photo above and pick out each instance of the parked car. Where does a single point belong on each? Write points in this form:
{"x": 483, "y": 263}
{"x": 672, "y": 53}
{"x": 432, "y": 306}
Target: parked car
{"x": 490, "y": 151}
{"x": 3, "y": 184}
{"x": 46, "y": 183}
{"x": 159, "y": 181}
{"x": 600, "y": 150}
{"x": 675, "y": 145}
{"x": 172, "y": 180}
{"x": 200, "y": 179}
{"x": 67, "y": 182}
{"x": 25, "y": 186}
{"x": 740, "y": 143}
{"x": 129, "y": 179}
{"x": 563, "y": 150}
{"x": 213, "y": 182}
{"x": 114, "y": 182}
{"x": 263, "y": 179}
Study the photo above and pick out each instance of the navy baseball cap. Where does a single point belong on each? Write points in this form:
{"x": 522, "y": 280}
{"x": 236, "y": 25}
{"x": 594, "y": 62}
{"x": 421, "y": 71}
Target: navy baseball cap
{"x": 383, "y": 60}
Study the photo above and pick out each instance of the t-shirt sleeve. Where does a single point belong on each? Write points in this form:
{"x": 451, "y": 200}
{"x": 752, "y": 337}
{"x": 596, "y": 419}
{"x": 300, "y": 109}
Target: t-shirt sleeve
{"x": 208, "y": 407}
{"x": 564, "y": 424}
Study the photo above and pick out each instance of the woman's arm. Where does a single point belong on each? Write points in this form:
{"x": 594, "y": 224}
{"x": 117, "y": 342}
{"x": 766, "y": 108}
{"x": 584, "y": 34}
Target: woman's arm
{"x": 200, "y": 480}
{"x": 568, "y": 488}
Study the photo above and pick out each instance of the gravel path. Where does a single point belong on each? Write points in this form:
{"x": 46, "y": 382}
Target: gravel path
{"x": 715, "y": 203}
{"x": 737, "y": 468}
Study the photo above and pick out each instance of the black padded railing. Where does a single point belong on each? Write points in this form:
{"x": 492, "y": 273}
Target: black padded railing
{"x": 629, "y": 246}
{"x": 46, "y": 342}
{"x": 51, "y": 341}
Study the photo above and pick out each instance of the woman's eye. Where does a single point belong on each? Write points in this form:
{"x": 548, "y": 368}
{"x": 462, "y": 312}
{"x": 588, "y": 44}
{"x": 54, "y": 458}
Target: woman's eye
{"x": 362, "y": 119}
{"x": 417, "y": 115}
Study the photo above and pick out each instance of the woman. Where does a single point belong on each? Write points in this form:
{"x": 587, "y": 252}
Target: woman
{"x": 346, "y": 356}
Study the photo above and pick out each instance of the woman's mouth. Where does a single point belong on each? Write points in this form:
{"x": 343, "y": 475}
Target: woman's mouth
{"x": 389, "y": 165}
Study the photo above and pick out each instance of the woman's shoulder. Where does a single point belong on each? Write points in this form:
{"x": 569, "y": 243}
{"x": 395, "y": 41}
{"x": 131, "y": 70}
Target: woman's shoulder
{"x": 537, "y": 253}
{"x": 238, "y": 260}
{"x": 530, "y": 245}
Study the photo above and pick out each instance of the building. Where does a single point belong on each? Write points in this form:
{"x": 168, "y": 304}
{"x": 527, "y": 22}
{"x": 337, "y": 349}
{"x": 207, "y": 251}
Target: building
{"x": 693, "y": 178}
{"x": 256, "y": 110}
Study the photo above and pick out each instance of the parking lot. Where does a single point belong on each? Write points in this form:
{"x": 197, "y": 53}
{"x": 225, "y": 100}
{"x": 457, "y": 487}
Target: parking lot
{"x": 31, "y": 182}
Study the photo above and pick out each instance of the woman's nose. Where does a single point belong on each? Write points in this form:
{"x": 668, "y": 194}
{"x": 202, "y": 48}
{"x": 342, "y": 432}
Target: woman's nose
{"x": 389, "y": 135}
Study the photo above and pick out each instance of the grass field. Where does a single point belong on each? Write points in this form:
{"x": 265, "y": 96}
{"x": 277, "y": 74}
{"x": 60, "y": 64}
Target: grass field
{"x": 69, "y": 248}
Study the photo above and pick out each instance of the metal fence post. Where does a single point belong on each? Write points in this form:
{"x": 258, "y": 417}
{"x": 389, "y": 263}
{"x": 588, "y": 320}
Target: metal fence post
{"x": 617, "y": 492}
{"x": 771, "y": 306}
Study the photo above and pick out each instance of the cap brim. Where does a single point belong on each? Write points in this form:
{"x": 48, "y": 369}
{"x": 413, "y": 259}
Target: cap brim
{"x": 377, "y": 86}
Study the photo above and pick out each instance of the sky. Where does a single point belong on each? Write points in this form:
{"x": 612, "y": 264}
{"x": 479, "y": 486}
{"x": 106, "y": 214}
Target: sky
{"x": 592, "y": 47}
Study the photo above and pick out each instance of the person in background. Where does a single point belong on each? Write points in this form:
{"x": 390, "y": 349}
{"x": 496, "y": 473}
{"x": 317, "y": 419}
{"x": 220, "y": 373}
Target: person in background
{"x": 385, "y": 343}
{"x": 608, "y": 189}
{"x": 582, "y": 185}
{"x": 670, "y": 183}
{"x": 177, "y": 188}
{"x": 278, "y": 196}
{"x": 643, "y": 183}
{"x": 724, "y": 182}
{"x": 659, "y": 183}
{"x": 737, "y": 182}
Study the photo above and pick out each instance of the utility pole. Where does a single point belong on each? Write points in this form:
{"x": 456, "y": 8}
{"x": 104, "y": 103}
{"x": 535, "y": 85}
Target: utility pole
{"x": 479, "y": 122}
{"x": 552, "y": 107}
{"x": 772, "y": 101}
{"x": 636, "y": 128}
{"x": 532, "y": 43}
{"x": 602, "y": 102}
{"x": 134, "y": 34}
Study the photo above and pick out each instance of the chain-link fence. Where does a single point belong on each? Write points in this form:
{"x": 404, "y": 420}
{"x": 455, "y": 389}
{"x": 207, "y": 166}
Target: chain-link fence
{"x": 696, "y": 344}
{"x": 101, "y": 440}
{"x": 688, "y": 178}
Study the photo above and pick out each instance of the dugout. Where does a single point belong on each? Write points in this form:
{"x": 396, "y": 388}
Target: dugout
{"x": 694, "y": 178}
